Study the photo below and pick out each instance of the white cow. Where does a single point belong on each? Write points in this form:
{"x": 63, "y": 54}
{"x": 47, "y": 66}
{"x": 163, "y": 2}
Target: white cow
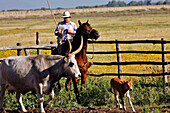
{"x": 22, "y": 74}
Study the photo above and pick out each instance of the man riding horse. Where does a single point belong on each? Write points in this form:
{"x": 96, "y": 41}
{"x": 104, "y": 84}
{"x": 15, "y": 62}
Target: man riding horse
{"x": 65, "y": 29}
{"x": 84, "y": 32}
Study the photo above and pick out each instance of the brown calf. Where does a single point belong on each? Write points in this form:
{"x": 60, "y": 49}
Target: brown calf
{"x": 122, "y": 88}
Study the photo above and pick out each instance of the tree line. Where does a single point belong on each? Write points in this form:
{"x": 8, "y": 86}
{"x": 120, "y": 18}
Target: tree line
{"x": 115, "y": 3}
{"x": 112, "y": 3}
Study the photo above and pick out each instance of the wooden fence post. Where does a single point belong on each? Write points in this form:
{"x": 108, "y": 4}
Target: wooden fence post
{"x": 119, "y": 59}
{"x": 38, "y": 42}
{"x": 52, "y": 48}
{"x": 27, "y": 53}
{"x": 19, "y": 51}
{"x": 164, "y": 67}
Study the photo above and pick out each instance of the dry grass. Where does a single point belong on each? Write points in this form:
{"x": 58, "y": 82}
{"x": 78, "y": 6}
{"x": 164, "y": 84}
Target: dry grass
{"x": 110, "y": 26}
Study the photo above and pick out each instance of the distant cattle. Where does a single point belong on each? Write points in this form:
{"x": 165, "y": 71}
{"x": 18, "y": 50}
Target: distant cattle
{"x": 122, "y": 88}
{"x": 22, "y": 74}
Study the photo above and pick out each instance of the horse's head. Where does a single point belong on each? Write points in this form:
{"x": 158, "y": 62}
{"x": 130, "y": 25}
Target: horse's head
{"x": 88, "y": 31}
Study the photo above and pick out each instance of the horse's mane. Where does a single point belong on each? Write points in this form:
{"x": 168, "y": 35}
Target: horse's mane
{"x": 77, "y": 39}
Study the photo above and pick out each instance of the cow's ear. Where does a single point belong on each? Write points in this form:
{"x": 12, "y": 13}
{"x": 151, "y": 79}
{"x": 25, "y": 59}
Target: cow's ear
{"x": 79, "y": 23}
{"x": 65, "y": 59}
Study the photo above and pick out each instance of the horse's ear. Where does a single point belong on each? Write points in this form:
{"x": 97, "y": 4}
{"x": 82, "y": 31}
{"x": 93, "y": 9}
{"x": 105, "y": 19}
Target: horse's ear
{"x": 79, "y": 23}
{"x": 87, "y": 21}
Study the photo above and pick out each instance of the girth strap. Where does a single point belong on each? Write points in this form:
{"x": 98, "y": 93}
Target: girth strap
{"x": 82, "y": 66}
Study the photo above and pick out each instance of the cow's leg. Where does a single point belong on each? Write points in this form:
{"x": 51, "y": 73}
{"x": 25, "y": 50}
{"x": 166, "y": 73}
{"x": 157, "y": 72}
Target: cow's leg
{"x": 50, "y": 98}
{"x": 123, "y": 103}
{"x": 3, "y": 88}
{"x": 67, "y": 84}
{"x": 19, "y": 99}
{"x": 117, "y": 99}
{"x": 40, "y": 96}
{"x": 128, "y": 96}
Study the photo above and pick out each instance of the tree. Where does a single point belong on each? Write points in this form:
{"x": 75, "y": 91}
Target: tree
{"x": 133, "y": 3}
{"x": 140, "y": 3}
{"x": 43, "y": 8}
{"x": 165, "y": 2}
{"x": 159, "y": 3}
{"x": 147, "y": 2}
{"x": 112, "y": 4}
{"x": 121, "y": 3}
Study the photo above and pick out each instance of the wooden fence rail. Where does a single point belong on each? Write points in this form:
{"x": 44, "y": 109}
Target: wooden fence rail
{"x": 118, "y": 52}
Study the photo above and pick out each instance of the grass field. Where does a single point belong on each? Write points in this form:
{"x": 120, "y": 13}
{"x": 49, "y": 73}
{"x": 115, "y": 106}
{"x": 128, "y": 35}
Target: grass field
{"x": 142, "y": 24}
{"x": 122, "y": 25}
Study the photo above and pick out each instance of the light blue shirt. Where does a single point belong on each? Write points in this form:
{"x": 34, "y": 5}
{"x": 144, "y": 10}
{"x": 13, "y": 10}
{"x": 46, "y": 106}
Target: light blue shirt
{"x": 63, "y": 26}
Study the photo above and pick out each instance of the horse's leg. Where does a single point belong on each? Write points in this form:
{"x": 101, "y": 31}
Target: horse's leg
{"x": 47, "y": 102}
{"x": 67, "y": 84}
{"x": 59, "y": 86}
{"x": 76, "y": 90}
{"x": 83, "y": 78}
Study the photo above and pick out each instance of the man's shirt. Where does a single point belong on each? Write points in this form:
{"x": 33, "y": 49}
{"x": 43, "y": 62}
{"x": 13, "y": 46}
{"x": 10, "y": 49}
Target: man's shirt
{"x": 63, "y": 26}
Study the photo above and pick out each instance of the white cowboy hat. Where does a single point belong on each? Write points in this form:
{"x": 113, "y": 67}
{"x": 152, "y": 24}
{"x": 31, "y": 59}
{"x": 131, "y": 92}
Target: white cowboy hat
{"x": 66, "y": 14}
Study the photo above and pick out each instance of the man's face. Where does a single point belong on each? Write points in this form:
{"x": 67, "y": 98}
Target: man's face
{"x": 67, "y": 19}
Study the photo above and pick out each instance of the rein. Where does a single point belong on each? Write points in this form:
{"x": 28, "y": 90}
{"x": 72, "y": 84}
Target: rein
{"x": 93, "y": 50}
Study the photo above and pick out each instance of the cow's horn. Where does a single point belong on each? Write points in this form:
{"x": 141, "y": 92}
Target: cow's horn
{"x": 80, "y": 47}
{"x": 70, "y": 47}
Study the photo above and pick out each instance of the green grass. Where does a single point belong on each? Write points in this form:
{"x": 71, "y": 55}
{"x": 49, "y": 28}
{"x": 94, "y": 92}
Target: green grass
{"x": 147, "y": 91}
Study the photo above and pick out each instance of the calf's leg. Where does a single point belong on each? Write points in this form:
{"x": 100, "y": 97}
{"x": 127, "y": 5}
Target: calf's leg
{"x": 128, "y": 96}
{"x": 19, "y": 99}
{"x": 117, "y": 99}
{"x": 123, "y": 103}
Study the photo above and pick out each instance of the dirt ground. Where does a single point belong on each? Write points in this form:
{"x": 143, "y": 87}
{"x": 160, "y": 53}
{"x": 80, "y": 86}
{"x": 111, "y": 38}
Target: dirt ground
{"x": 84, "y": 110}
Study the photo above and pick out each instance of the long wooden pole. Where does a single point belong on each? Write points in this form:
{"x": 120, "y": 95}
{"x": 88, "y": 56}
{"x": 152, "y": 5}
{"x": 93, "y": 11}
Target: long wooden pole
{"x": 51, "y": 12}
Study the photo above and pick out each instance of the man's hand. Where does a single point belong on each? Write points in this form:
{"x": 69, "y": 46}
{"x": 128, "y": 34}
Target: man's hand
{"x": 59, "y": 32}
{"x": 70, "y": 31}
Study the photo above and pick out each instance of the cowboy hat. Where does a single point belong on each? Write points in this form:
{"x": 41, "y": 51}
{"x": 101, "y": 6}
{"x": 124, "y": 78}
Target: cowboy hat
{"x": 66, "y": 14}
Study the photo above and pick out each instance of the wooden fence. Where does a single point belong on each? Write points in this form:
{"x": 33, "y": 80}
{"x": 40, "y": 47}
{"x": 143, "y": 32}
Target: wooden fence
{"x": 119, "y": 62}
{"x": 118, "y": 51}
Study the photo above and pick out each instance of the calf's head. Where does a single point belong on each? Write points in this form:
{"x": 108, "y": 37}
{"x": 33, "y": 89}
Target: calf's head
{"x": 129, "y": 84}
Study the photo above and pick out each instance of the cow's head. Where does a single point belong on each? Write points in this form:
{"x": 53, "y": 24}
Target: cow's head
{"x": 71, "y": 67}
